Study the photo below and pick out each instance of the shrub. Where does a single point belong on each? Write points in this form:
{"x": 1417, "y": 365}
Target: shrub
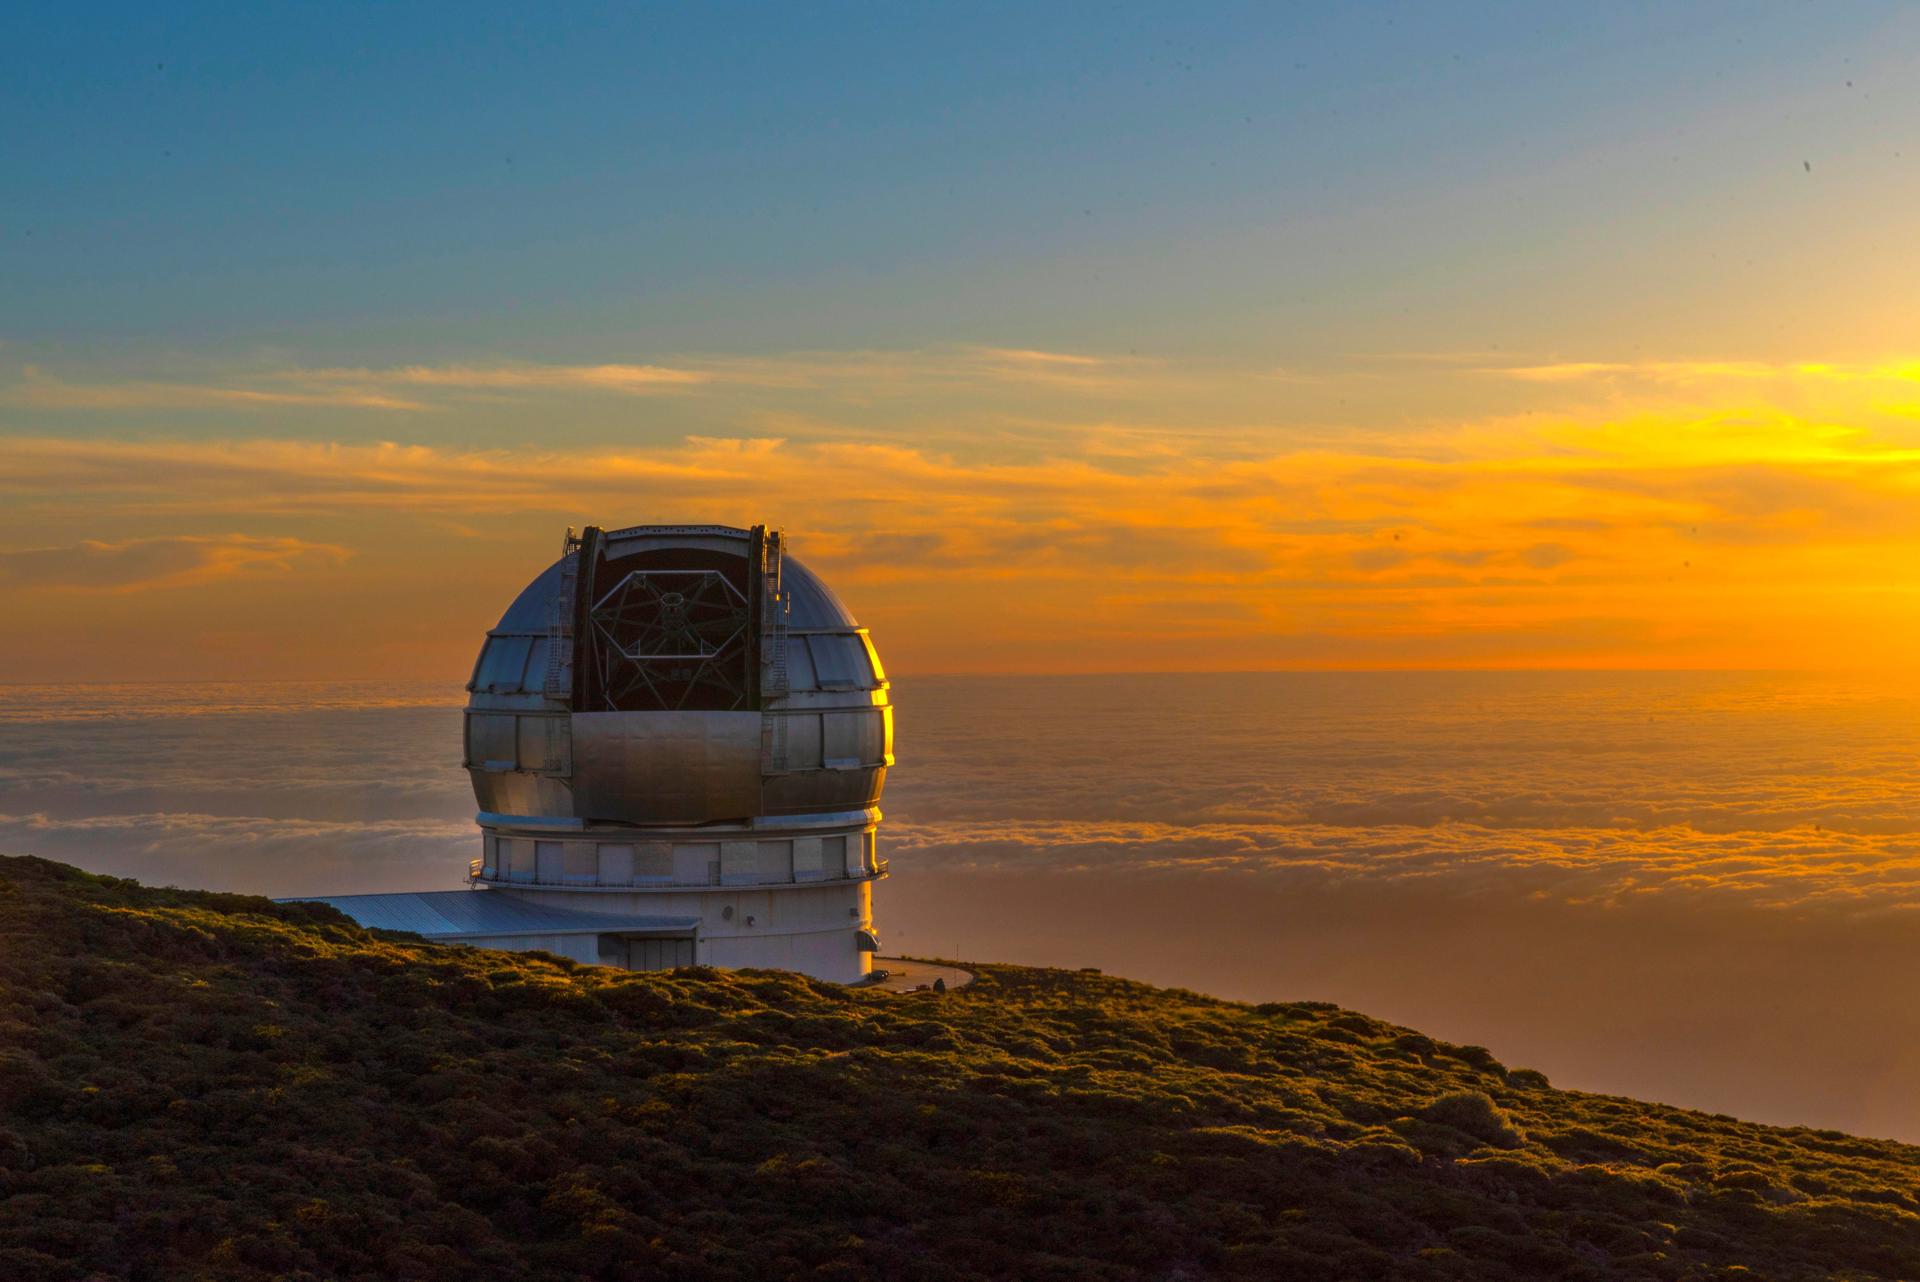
{"x": 1474, "y": 1113}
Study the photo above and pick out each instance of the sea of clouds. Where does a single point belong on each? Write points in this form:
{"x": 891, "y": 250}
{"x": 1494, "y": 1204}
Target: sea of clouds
{"x": 1650, "y": 883}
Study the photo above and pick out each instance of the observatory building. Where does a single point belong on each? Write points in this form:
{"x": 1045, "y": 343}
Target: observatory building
{"x": 677, "y": 736}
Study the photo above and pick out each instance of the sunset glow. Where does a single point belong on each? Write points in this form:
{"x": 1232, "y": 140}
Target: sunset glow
{"x": 1080, "y": 512}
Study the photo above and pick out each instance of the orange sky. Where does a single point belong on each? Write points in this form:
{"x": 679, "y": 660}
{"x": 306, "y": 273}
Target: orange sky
{"x": 984, "y": 509}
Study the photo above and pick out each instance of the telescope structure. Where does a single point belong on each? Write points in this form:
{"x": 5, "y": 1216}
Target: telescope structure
{"x": 677, "y": 737}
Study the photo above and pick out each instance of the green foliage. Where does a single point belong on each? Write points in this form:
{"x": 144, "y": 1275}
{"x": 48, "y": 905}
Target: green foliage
{"x": 1474, "y": 1113}
{"x": 214, "y": 1086}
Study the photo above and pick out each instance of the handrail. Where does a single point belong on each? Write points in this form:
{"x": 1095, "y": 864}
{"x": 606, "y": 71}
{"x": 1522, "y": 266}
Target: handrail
{"x": 476, "y": 872}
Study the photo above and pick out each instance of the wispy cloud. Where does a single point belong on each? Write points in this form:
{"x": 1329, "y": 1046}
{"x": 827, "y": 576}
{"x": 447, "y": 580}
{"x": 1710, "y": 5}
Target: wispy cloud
{"x": 41, "y": 390}
{"x": 632, "y": 379}
{"x": 864, "y": 374}
{"x": 141, "y": 564}
{"x": 1703, "y": 371}
{"x": 1688, "y": 526}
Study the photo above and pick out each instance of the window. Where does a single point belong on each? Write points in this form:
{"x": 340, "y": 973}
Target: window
{"x": 503, "y": 663}
{"x": 658, "y": 954}
{"x": 841, "y": 662}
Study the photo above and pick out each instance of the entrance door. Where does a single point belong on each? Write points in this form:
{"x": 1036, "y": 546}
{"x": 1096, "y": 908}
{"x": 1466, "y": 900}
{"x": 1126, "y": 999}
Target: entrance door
{"x": 655, "y": 952}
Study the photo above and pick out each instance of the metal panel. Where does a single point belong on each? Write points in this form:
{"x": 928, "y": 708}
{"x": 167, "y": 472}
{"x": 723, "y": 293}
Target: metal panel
{"x": 653, "y": 863}
{"x": 666, "y": 767}
{"x": 873, "y": 659}
{"x": 490, "y": 741}
{"x": 696, "y": 863}
{"x": 475, "y": 913}
{"x": 533, "y": 738}
{"x": 738, "y": 863}
{"x": 816, "y": 791}
{"x": 807, "y": 864}
{"x": 580, "y": 866}
{"x": 616, "y": 865}
{"x": 520, "y": 793}
{"x": 803, "y": 741}
{"x": 773, "y": 862}
{"x": 814, "y": 604}
{"x": 516, "y": 856}
{"x": 853, "y": 739}
{"x": 549, "y": 862}
{"x": 800, "y": 674}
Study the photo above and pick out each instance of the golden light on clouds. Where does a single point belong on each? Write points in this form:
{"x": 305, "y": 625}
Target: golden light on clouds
{"x": 1721, "y": 519}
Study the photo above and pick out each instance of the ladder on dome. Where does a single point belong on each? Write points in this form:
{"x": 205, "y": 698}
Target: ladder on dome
{"x": 559, "y": 683}
{"x": 777, "y": 607}
{"x": 774, "y": 606}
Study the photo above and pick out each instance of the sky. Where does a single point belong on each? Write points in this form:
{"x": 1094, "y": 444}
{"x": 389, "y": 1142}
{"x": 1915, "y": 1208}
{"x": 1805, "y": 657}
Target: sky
{"x": 1060, "y": 339}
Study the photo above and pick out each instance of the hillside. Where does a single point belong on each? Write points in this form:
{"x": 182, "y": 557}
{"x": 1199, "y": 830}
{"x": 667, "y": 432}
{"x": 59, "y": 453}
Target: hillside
{"x": 215, "y": 1086}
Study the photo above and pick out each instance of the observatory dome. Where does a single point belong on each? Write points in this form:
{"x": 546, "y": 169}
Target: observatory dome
{"x": 684, "y": 711}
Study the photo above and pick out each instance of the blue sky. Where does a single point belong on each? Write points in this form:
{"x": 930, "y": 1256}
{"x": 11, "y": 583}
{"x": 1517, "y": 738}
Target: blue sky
{"x": 1246, "y": 179}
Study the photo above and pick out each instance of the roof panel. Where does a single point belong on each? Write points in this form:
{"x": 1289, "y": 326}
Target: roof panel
{"x": 440, "y": 914}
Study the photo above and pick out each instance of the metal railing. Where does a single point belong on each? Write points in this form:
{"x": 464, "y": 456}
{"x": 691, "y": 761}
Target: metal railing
{"x": 477, "y": 872}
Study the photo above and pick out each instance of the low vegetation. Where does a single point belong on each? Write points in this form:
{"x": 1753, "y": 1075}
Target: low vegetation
{"x": 215, "y": 1086}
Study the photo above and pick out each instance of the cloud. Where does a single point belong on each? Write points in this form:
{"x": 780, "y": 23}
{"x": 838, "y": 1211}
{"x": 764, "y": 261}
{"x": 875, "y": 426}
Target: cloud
{"x": 633, "y": 379}
{"x": 251, "y": 854}
{"x": 1672, "y": 371}
{"x": 142, "y": 564}
{"x": 862, "y": 375}
{"x": 1660, "y": 371}
{"x": 1606, "y": 867}
{"x": 1697, "y": 529}
{"x": 1430, "y": 557}
{"x": 44, "y": 391}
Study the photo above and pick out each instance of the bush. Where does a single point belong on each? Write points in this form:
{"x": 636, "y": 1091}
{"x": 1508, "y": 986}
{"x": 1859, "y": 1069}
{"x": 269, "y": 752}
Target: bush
{"x": 1474, "y": 1113}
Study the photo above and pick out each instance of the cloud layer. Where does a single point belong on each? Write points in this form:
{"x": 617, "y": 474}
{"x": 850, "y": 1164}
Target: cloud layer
{"x": 93, "y": 565}
{"x": 998, "y": 508}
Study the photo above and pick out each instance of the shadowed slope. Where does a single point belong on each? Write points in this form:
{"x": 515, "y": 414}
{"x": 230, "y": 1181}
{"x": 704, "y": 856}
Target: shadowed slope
{"x": 198, "y": 1085}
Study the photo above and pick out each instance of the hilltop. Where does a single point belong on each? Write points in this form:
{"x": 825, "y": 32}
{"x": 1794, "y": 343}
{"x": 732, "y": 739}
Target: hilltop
{"x": 216, "y": 1086}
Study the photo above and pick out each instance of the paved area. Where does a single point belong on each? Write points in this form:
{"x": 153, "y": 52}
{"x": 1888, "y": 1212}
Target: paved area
{"x": 905, "y": 975}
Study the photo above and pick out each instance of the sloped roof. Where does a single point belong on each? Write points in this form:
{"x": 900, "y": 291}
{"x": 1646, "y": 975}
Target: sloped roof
{"x": 472, "y": 914}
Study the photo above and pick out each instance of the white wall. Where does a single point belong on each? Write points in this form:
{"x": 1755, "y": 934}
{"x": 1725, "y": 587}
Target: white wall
{"x": 810, "y": 929}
